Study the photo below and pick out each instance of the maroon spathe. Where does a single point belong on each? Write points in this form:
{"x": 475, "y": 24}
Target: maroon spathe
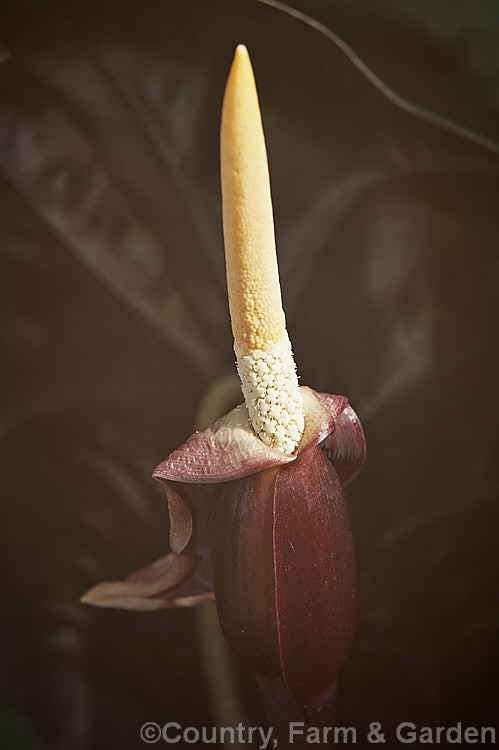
{"x": 270, "y": 534}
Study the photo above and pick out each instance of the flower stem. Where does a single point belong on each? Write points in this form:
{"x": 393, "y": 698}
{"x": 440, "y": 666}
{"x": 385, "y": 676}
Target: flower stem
{"x": 217, "y": 664}
{"x": 282, "y": 712}
{"x": 215, "y": 653}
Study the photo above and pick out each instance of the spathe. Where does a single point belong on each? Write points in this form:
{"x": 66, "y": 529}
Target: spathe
{"x": 202, "y": 471}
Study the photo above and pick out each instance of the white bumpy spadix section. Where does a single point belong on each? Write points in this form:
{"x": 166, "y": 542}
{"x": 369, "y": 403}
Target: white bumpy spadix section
{"x": 270, "y": 388}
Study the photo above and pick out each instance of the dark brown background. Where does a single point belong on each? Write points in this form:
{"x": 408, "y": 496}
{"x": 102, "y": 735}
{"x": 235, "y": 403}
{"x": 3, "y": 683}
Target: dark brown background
{"x": 114, "y": 324}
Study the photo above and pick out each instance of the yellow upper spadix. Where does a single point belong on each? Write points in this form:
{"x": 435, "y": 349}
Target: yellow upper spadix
{"x": 264, "y": 357}
{"x": 252, "y": 273}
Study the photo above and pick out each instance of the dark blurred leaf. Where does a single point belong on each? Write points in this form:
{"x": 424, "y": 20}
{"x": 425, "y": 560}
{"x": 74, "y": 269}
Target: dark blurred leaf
{"x": 442, "y": 56}
{"x": 114, "y": 322}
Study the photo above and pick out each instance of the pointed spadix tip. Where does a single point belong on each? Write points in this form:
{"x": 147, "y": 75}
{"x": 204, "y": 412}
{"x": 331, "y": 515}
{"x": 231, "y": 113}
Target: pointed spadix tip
{"x": 241, "y": 51}
{"x": 252, "y": 273}
{"x": 241, "y": 62}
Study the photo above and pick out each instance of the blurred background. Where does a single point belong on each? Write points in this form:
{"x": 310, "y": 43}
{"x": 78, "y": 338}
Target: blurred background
{"x": 114, "y": 327}
{"x": 442, "y": 56}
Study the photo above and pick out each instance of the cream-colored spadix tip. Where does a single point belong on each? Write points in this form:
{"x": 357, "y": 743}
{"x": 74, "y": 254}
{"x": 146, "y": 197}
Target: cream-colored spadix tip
{"x": 264, "y": 357}
{"x": 252, "y": 274}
